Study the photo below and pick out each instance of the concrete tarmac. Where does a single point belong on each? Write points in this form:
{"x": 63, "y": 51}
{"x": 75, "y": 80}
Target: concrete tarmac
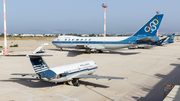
{"x": 147, "y": 71}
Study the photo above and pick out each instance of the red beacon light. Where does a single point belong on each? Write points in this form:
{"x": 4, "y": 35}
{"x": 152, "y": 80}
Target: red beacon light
{"x": 157, "y": 12}
{"x": 104, "y": 5}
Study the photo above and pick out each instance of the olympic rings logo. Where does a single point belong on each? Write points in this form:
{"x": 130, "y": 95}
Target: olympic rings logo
{"x": 152, "y": 26}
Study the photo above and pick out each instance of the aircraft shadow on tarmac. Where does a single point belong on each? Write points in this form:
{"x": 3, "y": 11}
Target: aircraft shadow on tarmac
{"x": 100, "y": 94}
{"x": 156, "y": 93}
{"x": 122, "y": 53}
{"x": 37, "y": 83}
{"x": 54, "y": 49}
{"x": 30, "y": 82}
{"x": 86, "y": 83}
{"x": 73, "y": 53}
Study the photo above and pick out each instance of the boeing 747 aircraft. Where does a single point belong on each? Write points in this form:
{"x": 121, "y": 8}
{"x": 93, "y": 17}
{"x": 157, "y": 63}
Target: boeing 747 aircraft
{"x": 64, "y": 73}
{"x": 146, "y": 35}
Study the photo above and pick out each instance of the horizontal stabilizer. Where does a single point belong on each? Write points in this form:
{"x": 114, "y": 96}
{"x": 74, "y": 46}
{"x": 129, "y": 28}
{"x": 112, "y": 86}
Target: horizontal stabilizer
{"x": 99, "y": 77}
{"x": 25, "y": 74}
{"x": 40, "y": 48}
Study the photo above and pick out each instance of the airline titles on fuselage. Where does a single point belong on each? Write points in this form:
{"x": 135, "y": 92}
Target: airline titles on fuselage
{"x": 81, "y": 67}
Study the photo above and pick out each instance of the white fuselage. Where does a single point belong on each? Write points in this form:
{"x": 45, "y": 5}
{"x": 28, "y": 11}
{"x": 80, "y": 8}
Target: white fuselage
{"x": 68, "y": 72}
{"x": 99, "y": 43}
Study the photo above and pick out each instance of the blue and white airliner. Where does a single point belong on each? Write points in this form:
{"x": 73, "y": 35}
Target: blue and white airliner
{"x": 71, "y": 72}
{"x": 146, "y": 35}
{"x": 163, "y": 40}
{"x": 170, "y": 39}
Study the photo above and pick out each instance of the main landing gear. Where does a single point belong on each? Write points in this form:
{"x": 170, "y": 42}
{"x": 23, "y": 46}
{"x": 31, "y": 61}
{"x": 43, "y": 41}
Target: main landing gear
{"x": 75, "y": 82}
{"x": 93, "y": 50}
{"x": 88, "y": 51}
{"x": 61, "y": 49}
{"x": 99, "y": 51}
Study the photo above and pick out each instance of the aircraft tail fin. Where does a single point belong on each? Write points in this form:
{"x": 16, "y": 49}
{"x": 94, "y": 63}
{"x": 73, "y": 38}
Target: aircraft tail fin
{"x": 40, "y": 67}
{"x": 151, "y": 27}
{"x": 171, "y": 38}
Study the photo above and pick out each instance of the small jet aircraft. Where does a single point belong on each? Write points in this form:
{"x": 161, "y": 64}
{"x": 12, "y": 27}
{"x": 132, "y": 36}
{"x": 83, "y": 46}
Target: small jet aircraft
{"x": 146, "y": 35}
{"x": 170, "y": 40}
{"x": 163, "y": 40}
{"x": 64, "y": 73}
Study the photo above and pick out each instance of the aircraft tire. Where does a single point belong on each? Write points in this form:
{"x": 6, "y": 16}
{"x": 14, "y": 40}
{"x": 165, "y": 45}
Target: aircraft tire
{"x": 100, "y": 51}
{"x": 88, "y": 51}
{"x": 67, "y": 83}
{"x": 97, "y": 51}
{"x": 75, "y": 82}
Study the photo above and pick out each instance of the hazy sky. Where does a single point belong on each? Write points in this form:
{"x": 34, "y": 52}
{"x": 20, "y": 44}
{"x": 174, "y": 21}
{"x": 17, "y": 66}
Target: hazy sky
{"x": 86, "y": 16}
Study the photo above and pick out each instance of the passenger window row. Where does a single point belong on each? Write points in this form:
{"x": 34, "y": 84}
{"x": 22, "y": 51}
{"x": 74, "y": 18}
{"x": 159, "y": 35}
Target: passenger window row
{"x": 76, "y": 40}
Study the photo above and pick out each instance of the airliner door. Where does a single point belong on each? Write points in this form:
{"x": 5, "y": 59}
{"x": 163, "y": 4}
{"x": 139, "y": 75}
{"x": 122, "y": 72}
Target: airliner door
{"x": 72, "y": 42}
{"x": 86, "y": 41}
{"x": 89, "y": 41}
{"x": 59, "y": 41}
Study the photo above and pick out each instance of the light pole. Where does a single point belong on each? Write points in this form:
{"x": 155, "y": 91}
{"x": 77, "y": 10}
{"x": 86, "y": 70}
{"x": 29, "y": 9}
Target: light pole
{"x": 104, "y": 6}
{"x": 5, "y": 39}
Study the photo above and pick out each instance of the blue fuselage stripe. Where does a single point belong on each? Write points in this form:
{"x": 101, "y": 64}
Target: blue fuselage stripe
{"x": 130, "y": 40}
{"x": 79, "y": 71}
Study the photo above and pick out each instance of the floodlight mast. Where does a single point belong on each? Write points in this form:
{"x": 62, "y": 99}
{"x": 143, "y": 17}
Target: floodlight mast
{"x": 157, "y": 12}
{"x": 104, "y": 6}
{"x": 5, "y": 39}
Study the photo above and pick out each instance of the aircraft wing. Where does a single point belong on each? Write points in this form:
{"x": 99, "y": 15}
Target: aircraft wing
{"x": 80, "y": 47}
{"x": 89, "y": 46}
{"x": 98, "y": 77}
{"x": 150, "y": 39}
{"x": 25, "y": 74}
